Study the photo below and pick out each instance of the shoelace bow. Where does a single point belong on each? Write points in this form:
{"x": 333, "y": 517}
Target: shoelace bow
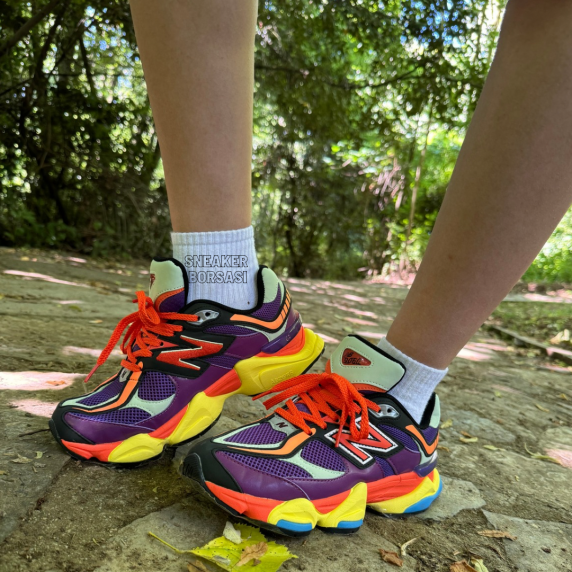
{"x": 327, "y": 393}
{"x": 144, "y": 326}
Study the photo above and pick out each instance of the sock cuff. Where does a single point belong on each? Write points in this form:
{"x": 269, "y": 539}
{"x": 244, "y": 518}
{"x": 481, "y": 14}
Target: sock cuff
{"x": 214, "y": 238}
{"x": 409, "y": 362}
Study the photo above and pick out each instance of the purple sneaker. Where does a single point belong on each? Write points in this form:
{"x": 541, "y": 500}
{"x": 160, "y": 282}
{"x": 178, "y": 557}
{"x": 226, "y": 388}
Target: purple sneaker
{"x": 343, "y": 444}
{"x": 182, "y": 362}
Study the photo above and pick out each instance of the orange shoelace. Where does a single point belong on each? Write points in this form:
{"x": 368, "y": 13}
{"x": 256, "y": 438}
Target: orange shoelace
{"x": 322, "y": 393}
{"x": 144, "y": 326}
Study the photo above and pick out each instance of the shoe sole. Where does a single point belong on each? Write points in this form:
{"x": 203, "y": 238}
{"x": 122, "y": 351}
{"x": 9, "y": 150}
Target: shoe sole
{"x": 340, "y": 514}
{"x": 248, "y": 377}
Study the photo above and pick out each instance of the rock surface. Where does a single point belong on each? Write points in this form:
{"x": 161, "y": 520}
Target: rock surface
{"x": 61, "y": 515}
{"x": 457, "y": 495}
{"x": 539, "y": 546}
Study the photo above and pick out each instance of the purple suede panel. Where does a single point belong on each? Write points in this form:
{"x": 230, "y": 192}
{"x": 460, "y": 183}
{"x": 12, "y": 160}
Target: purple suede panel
{"x": 260, "y": 484}
{"x": 283, "y": 339}
{"x": 263, "y": 434}
{"x": 229, "y": 330}
{"x": 246, "y": 346}
{"x": 424, "y": 470}
{"x": 268, "y": 465}
{"x": 270, "y": 310}
{"x": 405, "y": 461}
{"x": 256, "y": 483}
{"x": 155, "y": 386}
{"x": 173, "y": 303}
{"x": 320, "y": 454}
{"x": 385, "y": 467}
{"x": 99, "y": 432}
{"x": 125, "y": 416}
{"x": 111, "y": 389}
{"x": 228, "y": 362}
{"x": 430, "y": 434}
{"x": 399, "y": 436}
{"x": 317, "y": 489}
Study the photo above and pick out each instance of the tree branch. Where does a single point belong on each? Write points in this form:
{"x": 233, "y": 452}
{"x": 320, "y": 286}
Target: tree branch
{"x": 27, "y": 27}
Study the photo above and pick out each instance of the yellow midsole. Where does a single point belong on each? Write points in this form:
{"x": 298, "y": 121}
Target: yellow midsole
{"x": 352, "y": 509}
{"x": 257, "y": 374}
{"x": 399, "y": 505}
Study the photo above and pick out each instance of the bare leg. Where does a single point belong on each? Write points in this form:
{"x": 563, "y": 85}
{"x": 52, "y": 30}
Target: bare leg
{"x": 511, "y": 185}
{"x": 198, "y": 57}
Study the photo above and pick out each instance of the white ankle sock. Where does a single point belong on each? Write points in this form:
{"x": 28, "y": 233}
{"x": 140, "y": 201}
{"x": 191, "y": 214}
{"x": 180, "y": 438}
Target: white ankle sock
{"x": 222, "y": 266}
{"x": 418, "y": 383}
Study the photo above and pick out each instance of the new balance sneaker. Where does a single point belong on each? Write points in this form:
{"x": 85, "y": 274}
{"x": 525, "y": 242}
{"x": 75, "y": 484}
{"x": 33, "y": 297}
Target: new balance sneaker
{"x": 182, "y": 362}
{"x": 338, "y": 445}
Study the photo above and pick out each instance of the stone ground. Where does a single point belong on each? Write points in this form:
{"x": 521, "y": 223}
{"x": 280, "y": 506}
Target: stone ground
{"x": 59, "y": 515}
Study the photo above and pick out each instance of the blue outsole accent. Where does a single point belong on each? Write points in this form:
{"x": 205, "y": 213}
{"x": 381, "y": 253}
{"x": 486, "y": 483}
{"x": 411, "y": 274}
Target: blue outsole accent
{"x": 425, "y": 503}
{"x": 350, "y": 524}
{"x": 294, "y": 526}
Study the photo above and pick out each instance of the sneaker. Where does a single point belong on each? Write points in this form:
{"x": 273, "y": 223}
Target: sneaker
{"x": 340, "y": 445}
{"x": 182, "y": 362}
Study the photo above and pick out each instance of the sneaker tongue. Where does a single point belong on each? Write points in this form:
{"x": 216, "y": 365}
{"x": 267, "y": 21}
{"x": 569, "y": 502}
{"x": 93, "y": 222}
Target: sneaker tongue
{"x": 365, "y": 365}
{"x": 167, "y": 285}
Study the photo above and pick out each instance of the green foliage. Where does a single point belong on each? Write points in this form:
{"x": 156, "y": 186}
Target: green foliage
{"x": 358, "y": 104}
{"x": 554, "y": 263}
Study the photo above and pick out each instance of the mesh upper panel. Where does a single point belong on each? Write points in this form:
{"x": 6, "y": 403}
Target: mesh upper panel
{"x": 302, "y": 407}
{"x": 155, "y": 386}
{"x": 320, "y": 454}
{"x": 430, "y": 433}
{"x": 263, "y": 434}
{"x": 269, "y": 310}
{"x": 109, "y": 390}
{"x": 385, "y": 467}
{"x": 399, "y": 436}
{"x": 229, "y": 330}
{"x": 127, "y": 416}
{"x": 273, "y": 467}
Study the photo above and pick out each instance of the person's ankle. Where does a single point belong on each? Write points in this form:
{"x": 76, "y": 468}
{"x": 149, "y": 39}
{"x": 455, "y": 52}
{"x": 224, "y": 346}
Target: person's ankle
{"x": 222, "y": 265}
{"x": 415, "y": 388}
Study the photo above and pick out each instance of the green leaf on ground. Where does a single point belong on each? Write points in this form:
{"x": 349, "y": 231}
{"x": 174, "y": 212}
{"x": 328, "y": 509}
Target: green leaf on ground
{"x": 478, "y": 564}
{"x": 227, "y": 554}
{"x": 541, "y": 457}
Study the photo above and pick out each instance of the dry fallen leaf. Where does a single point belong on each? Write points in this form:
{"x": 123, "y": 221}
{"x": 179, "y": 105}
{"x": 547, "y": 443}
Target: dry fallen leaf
{"x": 95, "y": 321}
{"x": 196, "y": 565}
{"x": 496, "y": 534}
{"x": 443, "y": 448}
{"x": 447, "y": 424}
{"x": 21, "y": 460}
{"x": 461, "y": 566}
{"x": 39, "y": 454}
{"x": 542, "y": 408}
{"x": 491, "y": 448}
{"x": 231, "y": 533}
{"x": 564, "y": 396}
{"x": 390, "y": 557}
{"x": 465, "y": 434}
{"x": 253, "y": 552}
{"x": 468, "y": 439}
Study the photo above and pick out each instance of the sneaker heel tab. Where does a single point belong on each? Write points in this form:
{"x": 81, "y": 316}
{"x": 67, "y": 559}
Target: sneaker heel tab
{"x": 432, "y": 414}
